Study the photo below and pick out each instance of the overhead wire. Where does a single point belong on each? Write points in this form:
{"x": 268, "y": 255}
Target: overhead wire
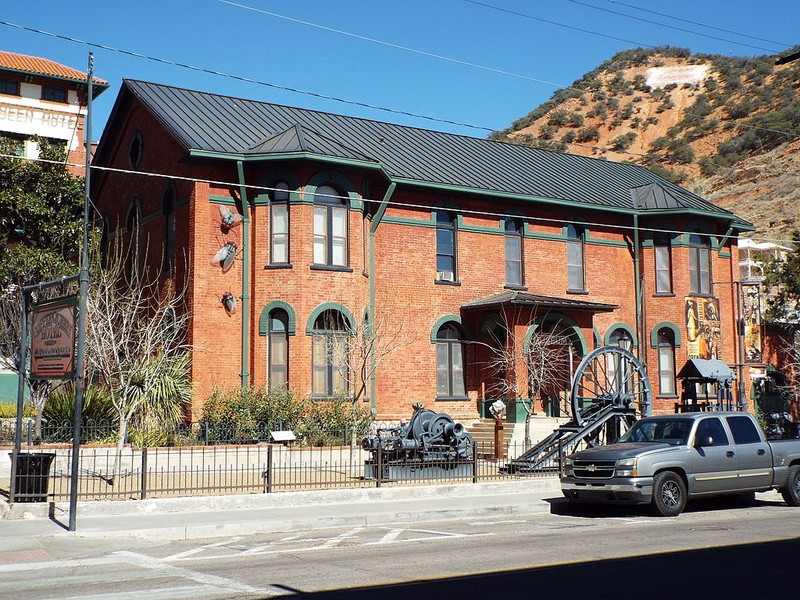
{"x": 681, "y": 29}
{"x": 235, "y": 185}
{"x": 706, "y": 25}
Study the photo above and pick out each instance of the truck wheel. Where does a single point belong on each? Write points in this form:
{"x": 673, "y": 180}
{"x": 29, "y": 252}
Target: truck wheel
{"x": 669, "y": 494}
{"x": 791, "y": 493}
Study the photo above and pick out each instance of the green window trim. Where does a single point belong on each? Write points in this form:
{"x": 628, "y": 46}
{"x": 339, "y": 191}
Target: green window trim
{"x": 263, "y": 320}
{"x": 330, "y": 306}
{"x": 665, "y": 325}
{"x": 447, "y": 319}
{"x": 627, "y": 328}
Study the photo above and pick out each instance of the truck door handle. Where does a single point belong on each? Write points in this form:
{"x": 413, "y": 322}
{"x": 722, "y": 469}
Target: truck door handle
{"x": 761, "y": 452}
{"x": 730, "y": 454}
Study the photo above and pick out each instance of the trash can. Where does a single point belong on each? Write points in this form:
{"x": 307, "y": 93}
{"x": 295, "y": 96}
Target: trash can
{"x": 32, "y": 476}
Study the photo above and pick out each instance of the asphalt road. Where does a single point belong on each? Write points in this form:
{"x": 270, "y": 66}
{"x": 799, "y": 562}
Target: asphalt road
{"x": 719, "y": 549}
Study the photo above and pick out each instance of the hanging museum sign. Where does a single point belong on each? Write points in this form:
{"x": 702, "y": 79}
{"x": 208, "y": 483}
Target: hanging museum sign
{"x": 751, "y": 317}
{"x": 53, "y": 339}
{"x": 703, "y": 327}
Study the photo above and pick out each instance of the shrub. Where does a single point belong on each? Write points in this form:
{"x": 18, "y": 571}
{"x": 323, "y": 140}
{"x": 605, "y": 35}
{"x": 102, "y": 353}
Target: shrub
{"x": 588, "y": 134}
{"x": 623, "y": 142}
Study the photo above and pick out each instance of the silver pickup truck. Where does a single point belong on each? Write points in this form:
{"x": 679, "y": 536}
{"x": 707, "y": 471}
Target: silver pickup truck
{"x": 666, "y": 460}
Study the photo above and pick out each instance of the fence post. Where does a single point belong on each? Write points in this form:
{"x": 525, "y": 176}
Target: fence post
{"x": 474, "y": 463}
{"x": 268, "y": 472}
{"x": 29, "y": 434}
{"x": 560, "y": 460}
{"x": 143, "y": 486}
{"x": 378, "y": 464}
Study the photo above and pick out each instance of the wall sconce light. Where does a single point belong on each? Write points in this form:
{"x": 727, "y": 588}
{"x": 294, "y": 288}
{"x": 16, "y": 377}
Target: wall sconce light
{"x": 228, "y": 302}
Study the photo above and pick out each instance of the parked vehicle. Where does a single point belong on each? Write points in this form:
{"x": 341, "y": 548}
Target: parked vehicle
{"x": 666, "y": 460}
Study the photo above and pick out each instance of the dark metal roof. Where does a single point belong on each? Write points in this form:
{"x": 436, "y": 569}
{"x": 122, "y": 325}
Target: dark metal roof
{"x": 211, "y": 123}
{"x": 516, "y": 298}
{"x": 706, "y": 369}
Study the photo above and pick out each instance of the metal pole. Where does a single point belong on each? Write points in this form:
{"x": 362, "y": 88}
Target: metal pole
{"x": 23, "y": 358}
{"x": 83, "y": 293}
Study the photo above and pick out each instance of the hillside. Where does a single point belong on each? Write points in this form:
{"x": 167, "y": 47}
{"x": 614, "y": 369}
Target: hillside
{"x": 722, "y": 126}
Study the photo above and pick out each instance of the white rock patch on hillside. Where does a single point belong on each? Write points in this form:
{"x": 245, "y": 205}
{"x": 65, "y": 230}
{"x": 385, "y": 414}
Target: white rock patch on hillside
{"x": 658, "y": 77}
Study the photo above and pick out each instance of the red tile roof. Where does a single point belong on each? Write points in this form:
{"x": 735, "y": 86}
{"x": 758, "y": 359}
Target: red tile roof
{"x": 42, "y": 66}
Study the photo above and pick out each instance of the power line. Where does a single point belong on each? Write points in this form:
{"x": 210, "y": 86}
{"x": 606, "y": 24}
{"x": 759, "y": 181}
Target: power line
{"x": 668, "y": 16}
{"x": 393, "y": 203}
{"x": 556, "y": 23}
{"x": 242, "y": 78}
{"x": 614, "y": 12}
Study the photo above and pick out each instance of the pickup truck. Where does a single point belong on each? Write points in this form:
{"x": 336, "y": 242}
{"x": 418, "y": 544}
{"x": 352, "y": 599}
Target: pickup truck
{"x": 668, "y": 459}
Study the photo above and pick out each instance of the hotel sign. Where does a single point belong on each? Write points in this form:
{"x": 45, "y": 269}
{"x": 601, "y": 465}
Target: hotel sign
{"x": 53, "y": 339}
{"x": 37, "y": 120}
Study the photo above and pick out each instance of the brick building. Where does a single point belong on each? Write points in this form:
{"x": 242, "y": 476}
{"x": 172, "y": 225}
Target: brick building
{"x": 39, "y": 97}
{"x": 333, "y": 226}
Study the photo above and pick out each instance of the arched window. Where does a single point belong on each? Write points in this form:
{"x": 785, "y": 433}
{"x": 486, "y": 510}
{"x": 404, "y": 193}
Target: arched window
{"x": 168, "y": 210}
{"x": 699, "y": 264}
{"x": 618, "y": 370}
{"x": 132, "y": 228}
{"x": 330, "y": 227}
{"x": 279, "y": 224}
{"x": 330, "y": 355}
{"x": 666, "y": 361}
{"x": 513, "y": 247}
{"x": 576, "y": 281}
{"x": 450, "y": 362}
{"x": 278, "y": 349}
{"x": 445, "y": 246}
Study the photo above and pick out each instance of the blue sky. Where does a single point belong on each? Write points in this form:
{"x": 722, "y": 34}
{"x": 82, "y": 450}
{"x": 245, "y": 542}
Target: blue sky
{"x": 479, "y": 63}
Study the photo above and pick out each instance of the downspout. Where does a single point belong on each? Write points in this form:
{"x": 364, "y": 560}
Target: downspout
{"x": 638, "y": 291}
{"x": 245, "y": 374}
{"x": 376, "y": 220}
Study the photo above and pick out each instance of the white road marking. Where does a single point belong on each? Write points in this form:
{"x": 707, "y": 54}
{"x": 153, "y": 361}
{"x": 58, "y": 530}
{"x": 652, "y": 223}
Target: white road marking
{"x": 341, "y": 537}
{"x": 201, "y": 549}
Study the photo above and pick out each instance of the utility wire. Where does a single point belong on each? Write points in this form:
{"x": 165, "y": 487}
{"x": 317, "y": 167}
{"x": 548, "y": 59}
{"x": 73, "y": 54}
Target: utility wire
{"x": 668, "y": 16}
{"x": 713, "y": 37}
{"x": 242, "y": 78}
{"x": 425, "y": 207}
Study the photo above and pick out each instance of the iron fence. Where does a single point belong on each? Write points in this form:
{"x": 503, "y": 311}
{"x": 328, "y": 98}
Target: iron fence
{"x": 185, "y": 434}
{"x": 139, "y": 473}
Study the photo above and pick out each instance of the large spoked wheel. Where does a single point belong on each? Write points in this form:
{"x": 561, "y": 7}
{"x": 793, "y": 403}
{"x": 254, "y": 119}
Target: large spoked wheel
{"x": 669, "y": 494}
{"x": 610, "y": 375}
{"x": 791, "y": 493}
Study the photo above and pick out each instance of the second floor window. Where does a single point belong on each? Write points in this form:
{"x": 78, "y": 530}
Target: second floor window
{"x": 168, "y": 210}
{"x": 699, "y": 265}
{"x": 9, "y": 87}
{"x": 513, "y": 247}
{"x": 663, "y": 265}
{"x": 279, "y": 224}
{"x": 330, "y": 228}
{"x": 445, "y": 246}
{"x": 576, "y": 281}
{"x": 54, "y": 94}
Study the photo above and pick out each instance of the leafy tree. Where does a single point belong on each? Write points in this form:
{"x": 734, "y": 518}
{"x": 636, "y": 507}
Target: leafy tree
{"x": 41, "y": 220}
{"x": 782, "y": 278}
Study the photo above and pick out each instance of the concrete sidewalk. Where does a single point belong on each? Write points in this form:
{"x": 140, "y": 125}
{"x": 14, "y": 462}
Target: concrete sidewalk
{"x": 207, "y": 517}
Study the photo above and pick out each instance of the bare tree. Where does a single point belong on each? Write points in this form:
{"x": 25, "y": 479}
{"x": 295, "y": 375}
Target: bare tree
{"x": 540, "y": 363}
{"x": 358, "y": 351}
{"x": 136, "y": 339}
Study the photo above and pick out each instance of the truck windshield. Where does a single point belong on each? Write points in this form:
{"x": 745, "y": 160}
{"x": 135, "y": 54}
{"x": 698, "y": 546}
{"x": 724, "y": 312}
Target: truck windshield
{"x": 662, "y": 431}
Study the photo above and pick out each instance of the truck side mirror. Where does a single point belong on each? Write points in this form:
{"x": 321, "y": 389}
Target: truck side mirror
{"x": 703, "y": 441}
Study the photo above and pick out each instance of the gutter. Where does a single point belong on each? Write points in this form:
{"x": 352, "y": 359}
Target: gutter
{"x": 373, "y": 228}
{"x": 245, "y": 297}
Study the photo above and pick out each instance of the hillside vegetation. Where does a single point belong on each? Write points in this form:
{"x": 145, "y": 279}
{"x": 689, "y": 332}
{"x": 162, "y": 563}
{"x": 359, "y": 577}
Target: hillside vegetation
{"x": 698, "y": 120}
